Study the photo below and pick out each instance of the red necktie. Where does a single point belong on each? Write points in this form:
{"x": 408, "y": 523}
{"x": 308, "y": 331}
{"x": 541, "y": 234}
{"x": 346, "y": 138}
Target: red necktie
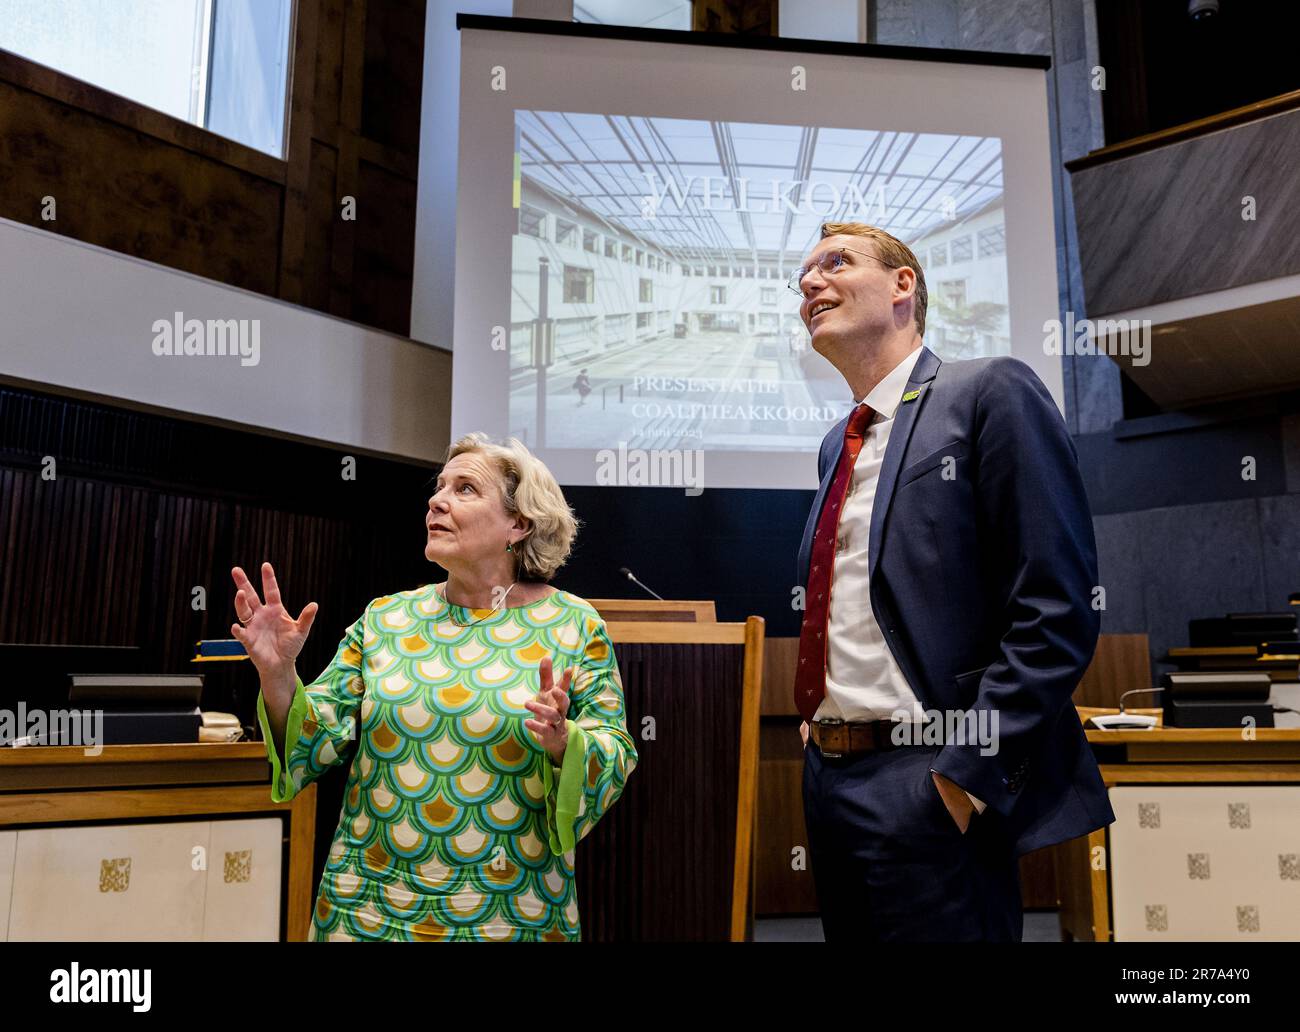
{"x": 810, "y": 675}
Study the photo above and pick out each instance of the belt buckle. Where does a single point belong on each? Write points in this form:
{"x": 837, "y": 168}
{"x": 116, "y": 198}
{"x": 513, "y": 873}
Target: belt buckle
{"x": 830, "y": 722}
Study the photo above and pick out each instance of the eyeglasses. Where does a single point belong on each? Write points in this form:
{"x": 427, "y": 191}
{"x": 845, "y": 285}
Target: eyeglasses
{"x": 831, "y": 261}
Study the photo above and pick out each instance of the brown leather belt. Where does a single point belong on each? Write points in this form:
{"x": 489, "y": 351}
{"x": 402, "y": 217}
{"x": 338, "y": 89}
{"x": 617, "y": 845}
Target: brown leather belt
{"x": 838, "y": 739}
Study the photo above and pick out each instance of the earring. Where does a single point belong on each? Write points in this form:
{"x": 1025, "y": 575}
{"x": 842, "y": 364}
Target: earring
{"x": 508, "y": 548}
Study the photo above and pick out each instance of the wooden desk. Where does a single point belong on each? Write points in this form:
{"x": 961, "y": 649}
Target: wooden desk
{"x": 134, "y": 785}
{"x": 1202, "y": 765}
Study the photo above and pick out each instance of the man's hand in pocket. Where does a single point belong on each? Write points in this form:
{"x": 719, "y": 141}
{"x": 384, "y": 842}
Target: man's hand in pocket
{"x": 955, "y": 799}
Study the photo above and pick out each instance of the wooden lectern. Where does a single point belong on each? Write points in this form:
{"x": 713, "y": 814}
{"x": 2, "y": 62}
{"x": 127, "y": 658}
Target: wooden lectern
{"x": 673, "y": 860}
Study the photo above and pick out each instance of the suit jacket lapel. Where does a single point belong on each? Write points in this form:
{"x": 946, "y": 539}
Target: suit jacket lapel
{"x": 905, "y": 417}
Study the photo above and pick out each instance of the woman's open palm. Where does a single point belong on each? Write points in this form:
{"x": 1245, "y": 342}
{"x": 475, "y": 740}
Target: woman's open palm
{"x": 270, "y": 636}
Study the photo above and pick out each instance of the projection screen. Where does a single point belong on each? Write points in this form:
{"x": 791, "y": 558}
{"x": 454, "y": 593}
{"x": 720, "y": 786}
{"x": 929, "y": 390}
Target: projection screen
{"x": 630, "y": 209}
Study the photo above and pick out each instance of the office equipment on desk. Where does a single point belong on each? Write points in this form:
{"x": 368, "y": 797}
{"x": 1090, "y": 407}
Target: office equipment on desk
{"x": 140, "y": 709}
{"x": 1279, "y": 659}
{"x": 220, "y": 727}
{"x": 1243, "y": 629}
{"x": 164, "y": 691}
{"x": 1128, "y": 721}
{"x": 1217, "y": 699}
{"x": 1123, "y": 719}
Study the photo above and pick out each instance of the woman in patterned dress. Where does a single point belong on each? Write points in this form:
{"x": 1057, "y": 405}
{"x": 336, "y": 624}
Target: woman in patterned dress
{"x": 485, "y": 713}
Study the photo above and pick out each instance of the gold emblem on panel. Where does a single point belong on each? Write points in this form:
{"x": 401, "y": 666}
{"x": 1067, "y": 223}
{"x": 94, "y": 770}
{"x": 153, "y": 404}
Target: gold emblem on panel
{"x": 238, "y": 866}
{"x": 115, "y": 874}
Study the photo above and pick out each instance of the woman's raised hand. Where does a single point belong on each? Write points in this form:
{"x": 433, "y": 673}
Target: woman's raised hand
{"x": 270, "y": 636}
{"x": 549, "y": 725}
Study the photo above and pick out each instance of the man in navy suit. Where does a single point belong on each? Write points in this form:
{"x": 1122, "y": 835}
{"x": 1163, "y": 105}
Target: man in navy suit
{"x": 950, "y": 571}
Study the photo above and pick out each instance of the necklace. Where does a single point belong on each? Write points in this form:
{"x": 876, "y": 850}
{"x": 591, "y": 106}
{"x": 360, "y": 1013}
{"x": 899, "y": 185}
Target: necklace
{"x": 450, "y": 606}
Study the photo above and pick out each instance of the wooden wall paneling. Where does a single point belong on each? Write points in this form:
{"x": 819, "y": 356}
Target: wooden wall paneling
{"x": 780, "y": 887}
{"x": 746, "y": 17}
{"x": 132, "y": 192}
{"x": 1040, "y": 880}
{"x": 320, "y": 227}
{"x": 393, "y": 75}
{"x": 129, "y": 114}
{"x": 781, "y": 657}
{"x": 331, "y": 21}
{"x": 302, "y": 83}
{"x": 384, "y": 248}
{"x": 345, "y": 133}
{"x": 65, "y": 541}
{"x": 1121, "y": 663}
{"x": 155, "y": 187}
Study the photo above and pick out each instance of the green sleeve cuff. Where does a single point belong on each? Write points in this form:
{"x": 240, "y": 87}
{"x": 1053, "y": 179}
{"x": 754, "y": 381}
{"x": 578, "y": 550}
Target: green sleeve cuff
{"x": 282, "y": 787}
{"x": 562, "y": 803}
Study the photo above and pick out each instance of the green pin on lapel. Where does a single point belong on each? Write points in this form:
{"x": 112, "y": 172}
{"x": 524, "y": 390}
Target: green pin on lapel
{"x": 912, "y": 395}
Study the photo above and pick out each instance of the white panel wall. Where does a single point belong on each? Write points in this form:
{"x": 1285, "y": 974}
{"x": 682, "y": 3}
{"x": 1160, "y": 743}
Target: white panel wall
{"x": 435, "y": 216}
{"x": 80, "y": 318}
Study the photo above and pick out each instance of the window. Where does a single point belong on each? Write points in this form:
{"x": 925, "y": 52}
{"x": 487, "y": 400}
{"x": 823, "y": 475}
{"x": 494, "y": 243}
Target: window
{"x": 640, "y": 256}
{"x": 768, "y": 295}
{"x": 953, "y": 293}
{"x": 566, "y": 233}
{"x": 961, "y": 249}
{"x": 590, "y": 241}
{"x": 666, "y": 14}
{"x": 686, "y": 270}
{"x": 579, "y": 285}
{"x": 646, "y": 286}
{"x": 532, "y": 221}
{"x": 939, "y": 255}
{"x": 222, "y": 66}
{"x": 627, "y": 253}
{"x": 642, "y": 320}
{"x": 717, "y": 295}
{"x": 993, "y": 241}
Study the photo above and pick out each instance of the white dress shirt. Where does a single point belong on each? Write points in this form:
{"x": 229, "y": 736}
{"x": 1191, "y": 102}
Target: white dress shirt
{"x": 863, "y": 680}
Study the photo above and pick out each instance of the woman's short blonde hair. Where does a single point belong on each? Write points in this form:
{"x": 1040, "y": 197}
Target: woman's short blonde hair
{"x": 529, "y": 490}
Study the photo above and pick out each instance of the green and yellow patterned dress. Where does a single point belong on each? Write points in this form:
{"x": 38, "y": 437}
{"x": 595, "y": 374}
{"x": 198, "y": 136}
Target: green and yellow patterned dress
{"x": 455, "y": 823}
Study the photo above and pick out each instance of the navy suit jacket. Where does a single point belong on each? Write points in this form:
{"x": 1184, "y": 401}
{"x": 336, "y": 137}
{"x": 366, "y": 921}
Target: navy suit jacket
{"x": 982, "y": 583}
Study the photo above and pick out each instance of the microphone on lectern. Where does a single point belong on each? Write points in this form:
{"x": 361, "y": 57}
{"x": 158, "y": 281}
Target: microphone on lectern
{"x": 632, "y": 577}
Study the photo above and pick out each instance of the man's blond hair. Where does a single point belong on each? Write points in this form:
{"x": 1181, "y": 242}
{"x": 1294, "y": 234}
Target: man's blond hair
{"x": 894, "y": 253}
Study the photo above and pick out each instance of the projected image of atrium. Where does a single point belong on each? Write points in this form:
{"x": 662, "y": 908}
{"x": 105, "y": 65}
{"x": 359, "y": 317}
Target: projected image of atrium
{"x": 649, "y": 266}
